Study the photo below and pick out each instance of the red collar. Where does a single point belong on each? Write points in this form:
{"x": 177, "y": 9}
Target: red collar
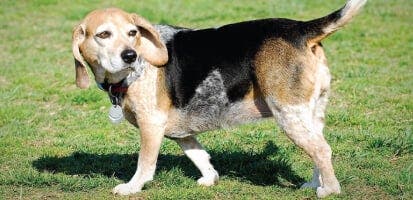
{"x": 114, "y": 88}
{"x": 116, "y": 91}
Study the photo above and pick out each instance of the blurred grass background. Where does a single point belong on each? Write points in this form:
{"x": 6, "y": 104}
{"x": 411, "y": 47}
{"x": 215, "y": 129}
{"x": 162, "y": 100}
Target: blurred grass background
{"x": 56, "y": 141}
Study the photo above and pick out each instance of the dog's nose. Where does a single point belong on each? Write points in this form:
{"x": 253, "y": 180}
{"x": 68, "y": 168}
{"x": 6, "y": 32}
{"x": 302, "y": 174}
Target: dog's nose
{"x": 128, "y": 55}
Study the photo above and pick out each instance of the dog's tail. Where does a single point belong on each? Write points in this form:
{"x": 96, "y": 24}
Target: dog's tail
{"x": 318, "y": 29}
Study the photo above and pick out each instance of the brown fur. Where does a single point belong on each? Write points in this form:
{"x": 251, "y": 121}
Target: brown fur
{"x": 284, "y": 72}
{"x": 163, "y": 99}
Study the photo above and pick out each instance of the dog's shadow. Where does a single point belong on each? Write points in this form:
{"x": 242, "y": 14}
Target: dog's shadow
{"x": 255, "y": 168}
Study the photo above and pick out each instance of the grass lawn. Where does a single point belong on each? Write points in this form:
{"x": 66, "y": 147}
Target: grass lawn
{"x": 57, "y": 143}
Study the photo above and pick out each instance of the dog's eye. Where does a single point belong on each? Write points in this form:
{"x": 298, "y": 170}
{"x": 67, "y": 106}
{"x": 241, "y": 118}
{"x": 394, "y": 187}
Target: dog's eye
{"x": 132, "y": 33}
{"x": 104, "y": 34}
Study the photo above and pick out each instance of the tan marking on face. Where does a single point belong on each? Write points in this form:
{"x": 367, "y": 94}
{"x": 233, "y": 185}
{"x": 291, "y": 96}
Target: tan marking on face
{"x": 284, "y": 72}
{"x": 108, "y": 32}
{"x": 104, "y": 54}
{"x": 97, "y": 18}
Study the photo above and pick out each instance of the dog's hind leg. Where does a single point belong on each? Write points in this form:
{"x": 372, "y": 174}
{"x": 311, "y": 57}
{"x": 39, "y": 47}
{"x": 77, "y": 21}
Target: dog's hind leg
{"x": 318, "y": 122}
{"x": 298, "y": 122}
{"x": 200, "y": 158}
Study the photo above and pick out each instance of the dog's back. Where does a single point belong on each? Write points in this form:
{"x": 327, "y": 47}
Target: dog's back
{"x": 269, "y": 56}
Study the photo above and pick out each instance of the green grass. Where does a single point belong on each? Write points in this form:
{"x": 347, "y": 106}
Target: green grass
{"x": 57, "y": 143}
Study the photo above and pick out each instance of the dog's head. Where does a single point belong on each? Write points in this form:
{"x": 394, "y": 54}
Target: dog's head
{"x": 110, "y": 42}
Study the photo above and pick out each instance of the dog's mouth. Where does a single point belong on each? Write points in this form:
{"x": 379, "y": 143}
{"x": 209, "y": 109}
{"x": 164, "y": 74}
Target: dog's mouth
{"x": 114, "y": 69}
{"x": 115, "y": 64}
{"x": 128, "y": 72}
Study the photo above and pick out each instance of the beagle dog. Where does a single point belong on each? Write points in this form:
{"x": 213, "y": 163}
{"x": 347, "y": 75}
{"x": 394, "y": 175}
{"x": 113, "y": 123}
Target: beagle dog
{"x": 177, "y": 82}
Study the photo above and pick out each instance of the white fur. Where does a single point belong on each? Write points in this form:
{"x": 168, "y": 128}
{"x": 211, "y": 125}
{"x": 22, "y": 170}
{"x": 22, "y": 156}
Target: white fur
{"x": 108, "y": 56}
{"x": 298, "y": 123}
{"x": 136, "y": 183}
{"x": 319, "y": 100}
{"x": 201, "y": 159}
{"x": 194, "y": 151}
{"x": 351, "y": 9}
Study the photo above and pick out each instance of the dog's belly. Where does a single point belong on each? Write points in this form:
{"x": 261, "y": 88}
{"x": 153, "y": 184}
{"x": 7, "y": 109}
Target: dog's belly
{"x": 245, "y": 111}
{"x": 206, "y": 117}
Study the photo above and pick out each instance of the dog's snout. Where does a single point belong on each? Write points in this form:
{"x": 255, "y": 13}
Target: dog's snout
{"x": 129, "y": 56}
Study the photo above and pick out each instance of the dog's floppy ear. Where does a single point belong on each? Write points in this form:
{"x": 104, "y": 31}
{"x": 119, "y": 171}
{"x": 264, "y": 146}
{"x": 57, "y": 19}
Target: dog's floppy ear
{"x": 150, "y": 46}
{"x": 82, "y": 78}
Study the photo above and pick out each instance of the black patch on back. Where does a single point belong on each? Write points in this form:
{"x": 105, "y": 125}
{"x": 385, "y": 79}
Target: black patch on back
{"x": 230, "y": 49}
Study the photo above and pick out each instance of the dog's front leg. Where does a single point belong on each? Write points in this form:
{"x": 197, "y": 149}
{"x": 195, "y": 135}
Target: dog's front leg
{"x": 151, "y": 139}
{"x": 200, "y": 158}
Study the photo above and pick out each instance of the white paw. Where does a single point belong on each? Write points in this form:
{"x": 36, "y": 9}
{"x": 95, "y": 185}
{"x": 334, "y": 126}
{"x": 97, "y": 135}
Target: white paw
{"x": 126, "y": 189}
{"x": 210, "y": 180}
{"x": 325, "y": 191}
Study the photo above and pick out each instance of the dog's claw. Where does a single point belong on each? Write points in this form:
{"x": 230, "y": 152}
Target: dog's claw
{"x": 125, "y": 189}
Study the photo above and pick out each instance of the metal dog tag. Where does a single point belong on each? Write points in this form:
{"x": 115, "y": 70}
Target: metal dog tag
{"x": 115, "y": 114}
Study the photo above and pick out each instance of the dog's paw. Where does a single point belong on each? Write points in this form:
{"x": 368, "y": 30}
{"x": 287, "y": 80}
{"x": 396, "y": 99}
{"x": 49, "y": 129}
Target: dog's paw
{"x": 325, "y": 191}
{"x": 125, "y": 189}
{"x": 209, "y": 180}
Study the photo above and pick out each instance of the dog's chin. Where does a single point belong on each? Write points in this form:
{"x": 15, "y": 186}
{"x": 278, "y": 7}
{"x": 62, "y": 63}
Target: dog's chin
{"x": 118, "y": 69}
{"x": 118, "y": 75}
{"x": 114, "y": 65}
{"x": 115, "y": 71}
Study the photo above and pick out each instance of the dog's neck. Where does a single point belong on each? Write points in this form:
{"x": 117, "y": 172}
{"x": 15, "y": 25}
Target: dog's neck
{"x": 136, "y": 72}
{"x": 148, "y": 92}
{"x": 117, "y": 91}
